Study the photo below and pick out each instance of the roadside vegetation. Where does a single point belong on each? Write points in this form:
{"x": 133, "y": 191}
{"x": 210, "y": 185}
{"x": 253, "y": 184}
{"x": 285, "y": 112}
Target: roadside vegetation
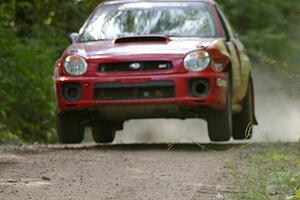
{"x": 34, "y": 33}
{"x": 271, "y": 172}
{"x": 270, "y": 29}
{"x": 263, "y": 171}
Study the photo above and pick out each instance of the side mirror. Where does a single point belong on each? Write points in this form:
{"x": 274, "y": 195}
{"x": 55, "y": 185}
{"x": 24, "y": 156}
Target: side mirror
{"x": 74, "y": 37}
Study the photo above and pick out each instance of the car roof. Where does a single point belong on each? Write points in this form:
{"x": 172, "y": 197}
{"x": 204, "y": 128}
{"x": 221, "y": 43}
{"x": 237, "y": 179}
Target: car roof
{"x": 130, "y": 1}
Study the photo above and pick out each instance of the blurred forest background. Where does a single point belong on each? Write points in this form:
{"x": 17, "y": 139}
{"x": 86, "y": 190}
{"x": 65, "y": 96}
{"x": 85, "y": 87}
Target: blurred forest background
{"x": 34, "y": 33}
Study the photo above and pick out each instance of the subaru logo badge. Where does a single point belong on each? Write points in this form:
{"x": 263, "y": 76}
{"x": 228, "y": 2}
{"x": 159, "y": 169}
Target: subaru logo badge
{"x": 135, "y": 66}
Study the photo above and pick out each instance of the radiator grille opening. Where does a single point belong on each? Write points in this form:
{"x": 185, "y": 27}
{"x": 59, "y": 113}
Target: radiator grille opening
{"x": 149, "y": 90}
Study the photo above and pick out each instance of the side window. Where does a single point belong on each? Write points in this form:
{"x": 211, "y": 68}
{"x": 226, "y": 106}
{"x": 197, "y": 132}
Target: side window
{"x": 225, "y": 25}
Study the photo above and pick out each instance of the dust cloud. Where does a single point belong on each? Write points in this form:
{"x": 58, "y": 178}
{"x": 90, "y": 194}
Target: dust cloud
{"x": 277, "y": 112}
{"x": 277, "y": 109}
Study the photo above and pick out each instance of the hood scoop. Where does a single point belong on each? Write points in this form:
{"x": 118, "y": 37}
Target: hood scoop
{"x": 140, "y": 39}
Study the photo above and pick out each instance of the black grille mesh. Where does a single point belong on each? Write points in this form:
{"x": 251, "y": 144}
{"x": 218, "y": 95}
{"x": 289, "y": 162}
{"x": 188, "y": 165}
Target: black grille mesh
{"x": 148, "y": 90}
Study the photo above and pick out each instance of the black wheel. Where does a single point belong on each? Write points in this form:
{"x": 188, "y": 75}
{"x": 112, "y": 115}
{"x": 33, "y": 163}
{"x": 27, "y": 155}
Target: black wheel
{"x": 220, "y": 122}
{"x": 69, "y": 128}
{"x": 104, "y": 133}
{"x": 243, "y": 121}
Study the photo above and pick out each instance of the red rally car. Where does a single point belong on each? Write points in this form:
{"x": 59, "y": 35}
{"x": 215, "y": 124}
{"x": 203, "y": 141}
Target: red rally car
{"x": 137, "y": 59}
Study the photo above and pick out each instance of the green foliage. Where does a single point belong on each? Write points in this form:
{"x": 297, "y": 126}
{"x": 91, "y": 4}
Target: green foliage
{"x": 26, "y": 98}
{"x": 33, "y": 35}
{"x": 272, "y": 175}
{"x": 270, "y": 29}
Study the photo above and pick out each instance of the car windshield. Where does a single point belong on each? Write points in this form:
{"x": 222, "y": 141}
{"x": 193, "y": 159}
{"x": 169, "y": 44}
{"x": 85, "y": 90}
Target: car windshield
{"x": 177, "y": 19}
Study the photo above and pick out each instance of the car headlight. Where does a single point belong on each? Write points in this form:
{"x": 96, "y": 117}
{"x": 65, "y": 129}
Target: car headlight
{"x": 197, "y": 61}
{"x": 75, "y": 65}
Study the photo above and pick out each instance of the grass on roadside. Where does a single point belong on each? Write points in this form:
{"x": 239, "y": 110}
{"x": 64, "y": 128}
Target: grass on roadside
{"x": 271, "y": 174}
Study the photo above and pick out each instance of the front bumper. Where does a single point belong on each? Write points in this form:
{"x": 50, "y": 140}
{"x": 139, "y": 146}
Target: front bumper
{"x": 215, "y": 98}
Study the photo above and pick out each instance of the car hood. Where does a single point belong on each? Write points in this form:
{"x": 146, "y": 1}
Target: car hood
{"x": 175, "y": 46}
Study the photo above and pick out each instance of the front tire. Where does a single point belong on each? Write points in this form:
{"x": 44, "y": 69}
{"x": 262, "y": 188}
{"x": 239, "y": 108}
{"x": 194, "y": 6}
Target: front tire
{"x": 243, "y": 121}
{"x": 220, "y": 122}
{"x": 69, "y": 128}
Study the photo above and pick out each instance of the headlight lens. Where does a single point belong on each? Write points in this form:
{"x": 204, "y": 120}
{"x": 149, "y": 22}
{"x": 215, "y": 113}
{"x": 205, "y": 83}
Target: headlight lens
{"x": 75, "y": 65}
{"x": 197, "y": 61}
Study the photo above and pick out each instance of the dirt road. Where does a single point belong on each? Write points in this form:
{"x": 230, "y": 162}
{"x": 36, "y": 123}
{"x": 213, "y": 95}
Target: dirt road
{"x": 133, "y": 172}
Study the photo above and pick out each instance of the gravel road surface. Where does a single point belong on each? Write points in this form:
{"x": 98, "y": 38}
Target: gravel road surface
{"x": 117, "y": 172}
